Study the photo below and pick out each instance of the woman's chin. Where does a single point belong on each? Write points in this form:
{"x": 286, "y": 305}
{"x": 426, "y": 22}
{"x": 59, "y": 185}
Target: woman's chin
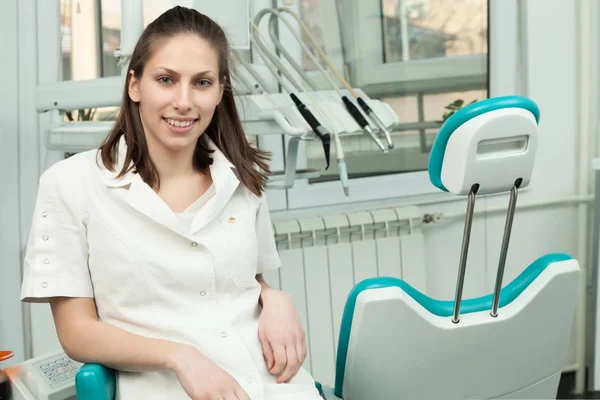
{"x": 179, "y": 143}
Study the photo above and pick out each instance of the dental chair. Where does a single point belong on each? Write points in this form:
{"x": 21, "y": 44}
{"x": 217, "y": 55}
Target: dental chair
{"x": 397, "y": 343}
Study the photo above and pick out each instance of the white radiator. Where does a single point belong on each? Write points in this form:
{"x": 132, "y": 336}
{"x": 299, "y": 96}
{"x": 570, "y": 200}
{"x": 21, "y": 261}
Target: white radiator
{"x": 323, "y": 258}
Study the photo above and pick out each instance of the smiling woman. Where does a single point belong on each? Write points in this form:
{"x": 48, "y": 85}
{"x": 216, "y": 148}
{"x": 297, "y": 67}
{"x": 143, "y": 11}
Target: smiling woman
{"x": 182, "y": 311}
{"x": 167, "y": 80}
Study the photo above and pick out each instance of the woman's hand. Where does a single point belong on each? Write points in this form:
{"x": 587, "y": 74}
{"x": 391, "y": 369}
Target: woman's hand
{"x": 281, "y": 334}
{"x": 201, "y": 378}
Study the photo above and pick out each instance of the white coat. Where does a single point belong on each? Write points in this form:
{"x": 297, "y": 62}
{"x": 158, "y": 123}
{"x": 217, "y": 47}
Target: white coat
{"x": 116, "y": 241}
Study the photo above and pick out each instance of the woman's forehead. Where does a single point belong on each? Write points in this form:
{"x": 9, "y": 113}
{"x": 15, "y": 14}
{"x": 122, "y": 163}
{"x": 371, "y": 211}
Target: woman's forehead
{"x": 185, "y": 54}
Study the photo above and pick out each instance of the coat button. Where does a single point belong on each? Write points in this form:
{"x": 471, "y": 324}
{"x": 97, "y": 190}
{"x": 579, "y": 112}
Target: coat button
{"x": 44, "y": 285}
{"x": 249, "y": 380}
{"x": 231, "y": 220}
{"x": 194, "y": 244}
{"x": 45, "y": 214}
{"x": 45, "y": 238}
{"x": 46, "y": 261}
{"x": 203, "y": 293}
{"x": 223, "y": 334}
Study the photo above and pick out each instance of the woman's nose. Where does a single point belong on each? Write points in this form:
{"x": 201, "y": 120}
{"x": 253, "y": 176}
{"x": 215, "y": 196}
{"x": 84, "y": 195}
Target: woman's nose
{"x": 182, "y": 101}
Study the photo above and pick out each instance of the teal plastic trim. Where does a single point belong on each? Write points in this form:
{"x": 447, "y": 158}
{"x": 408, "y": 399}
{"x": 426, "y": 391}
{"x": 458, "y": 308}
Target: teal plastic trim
{"x": 319, "y": 387}
{"x": 95, "y": 382}
{"x": 436, "y": 157}
{"x": 442, "y": 308}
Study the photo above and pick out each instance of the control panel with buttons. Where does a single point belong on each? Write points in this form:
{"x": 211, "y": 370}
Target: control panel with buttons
{"x": 57, "y": 369}
{"x": 48, "y": 377}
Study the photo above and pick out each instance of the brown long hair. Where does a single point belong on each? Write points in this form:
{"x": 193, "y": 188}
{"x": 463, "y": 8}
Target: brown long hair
{"x": 225, "y": 128}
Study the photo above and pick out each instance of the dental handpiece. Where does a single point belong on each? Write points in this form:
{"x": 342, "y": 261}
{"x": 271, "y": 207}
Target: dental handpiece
{"x": 370, "y": 113}
{"x": 316, "y": 126}
{"x": 360, "y": 120}
{"x": 377, "y": 121}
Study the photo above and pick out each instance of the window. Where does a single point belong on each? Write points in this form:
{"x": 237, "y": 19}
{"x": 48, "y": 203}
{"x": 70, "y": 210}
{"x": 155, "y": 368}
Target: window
{"x": 111, "y": 35}
{"x": 416, "y": 45}
{"x": 428, "y": 55}
{"x": 312, "y": 16}
{"x": 418, "y": 29}
{"x": 90, "y": 35}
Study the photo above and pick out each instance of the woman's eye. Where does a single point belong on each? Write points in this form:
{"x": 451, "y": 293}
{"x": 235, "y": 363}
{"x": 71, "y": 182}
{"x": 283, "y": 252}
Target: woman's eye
{"x": 164, "y": 79}
{"x": 203, "y": 83}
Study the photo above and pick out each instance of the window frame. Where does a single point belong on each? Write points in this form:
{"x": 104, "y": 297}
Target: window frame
{"x": 365, "y": 51}
{"x": 503, "y": 53}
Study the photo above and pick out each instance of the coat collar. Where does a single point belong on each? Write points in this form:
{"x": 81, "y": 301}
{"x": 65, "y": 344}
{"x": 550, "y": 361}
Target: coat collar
{"x": 110, "y": 178}
{"x": 145, "y": 200}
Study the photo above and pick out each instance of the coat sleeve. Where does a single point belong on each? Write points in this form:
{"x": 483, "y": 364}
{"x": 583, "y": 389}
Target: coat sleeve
{"x": 268, "y": 258}
{"x": 56, "y": 257}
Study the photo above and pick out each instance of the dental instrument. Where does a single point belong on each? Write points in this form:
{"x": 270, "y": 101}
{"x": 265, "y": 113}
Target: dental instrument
{"x": 353, "y": 92}
{"x": 319, "y": 130}
{"x": 352, "y": 109}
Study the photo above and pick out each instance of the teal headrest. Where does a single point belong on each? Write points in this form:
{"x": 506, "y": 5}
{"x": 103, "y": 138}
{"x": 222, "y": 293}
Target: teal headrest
{"x": 436, "y": 157}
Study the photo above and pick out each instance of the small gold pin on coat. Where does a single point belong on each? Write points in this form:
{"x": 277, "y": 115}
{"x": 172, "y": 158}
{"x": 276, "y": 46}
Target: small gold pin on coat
{"x": 231, "y": 220}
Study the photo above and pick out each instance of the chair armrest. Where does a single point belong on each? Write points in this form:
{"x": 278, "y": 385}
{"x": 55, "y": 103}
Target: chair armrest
{"x": 95, "y": 382}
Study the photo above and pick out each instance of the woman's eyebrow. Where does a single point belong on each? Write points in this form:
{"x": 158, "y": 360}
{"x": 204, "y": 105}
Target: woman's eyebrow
{"x": 175, "y": 73}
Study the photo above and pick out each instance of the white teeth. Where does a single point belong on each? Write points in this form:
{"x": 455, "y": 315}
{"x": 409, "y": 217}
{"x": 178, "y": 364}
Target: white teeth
{"x": 180, "y": 124}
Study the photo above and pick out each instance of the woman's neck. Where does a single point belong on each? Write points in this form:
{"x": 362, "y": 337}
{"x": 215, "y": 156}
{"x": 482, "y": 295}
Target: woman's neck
{"x": 172, "y": 165}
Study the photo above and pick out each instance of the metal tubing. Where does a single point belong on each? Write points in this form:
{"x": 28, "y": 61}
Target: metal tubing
{"x": 504, "y": 249}
{"x": 464, "y": 252}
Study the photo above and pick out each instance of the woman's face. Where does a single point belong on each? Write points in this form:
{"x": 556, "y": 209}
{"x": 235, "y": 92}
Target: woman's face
{"x": 178, "y": 92}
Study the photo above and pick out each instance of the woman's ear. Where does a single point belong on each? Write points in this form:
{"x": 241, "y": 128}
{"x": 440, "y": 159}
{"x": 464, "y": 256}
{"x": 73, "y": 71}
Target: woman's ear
{"x": 222, "y": 83}
{"x": 134, "y": 88}
{"x": 221, "y": 89}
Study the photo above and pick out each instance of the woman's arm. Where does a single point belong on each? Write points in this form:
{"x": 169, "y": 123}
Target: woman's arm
{"x": 265, "y": 289}
{"x": 87, "y": 340}
{"x": 281, "y": 333}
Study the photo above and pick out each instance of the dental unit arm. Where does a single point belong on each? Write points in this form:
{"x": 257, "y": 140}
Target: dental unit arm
{"x": 316, "y": 126}
{"x": 352, "y": 109}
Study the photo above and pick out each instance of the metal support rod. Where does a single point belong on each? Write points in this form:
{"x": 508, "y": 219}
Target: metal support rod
{"x": 465, "y": 250}
{"x": 504, "y": 250}
{"x": 99, "y": 37}
{"x": 132, "y": 26}
{"x": 422, "y": 132}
